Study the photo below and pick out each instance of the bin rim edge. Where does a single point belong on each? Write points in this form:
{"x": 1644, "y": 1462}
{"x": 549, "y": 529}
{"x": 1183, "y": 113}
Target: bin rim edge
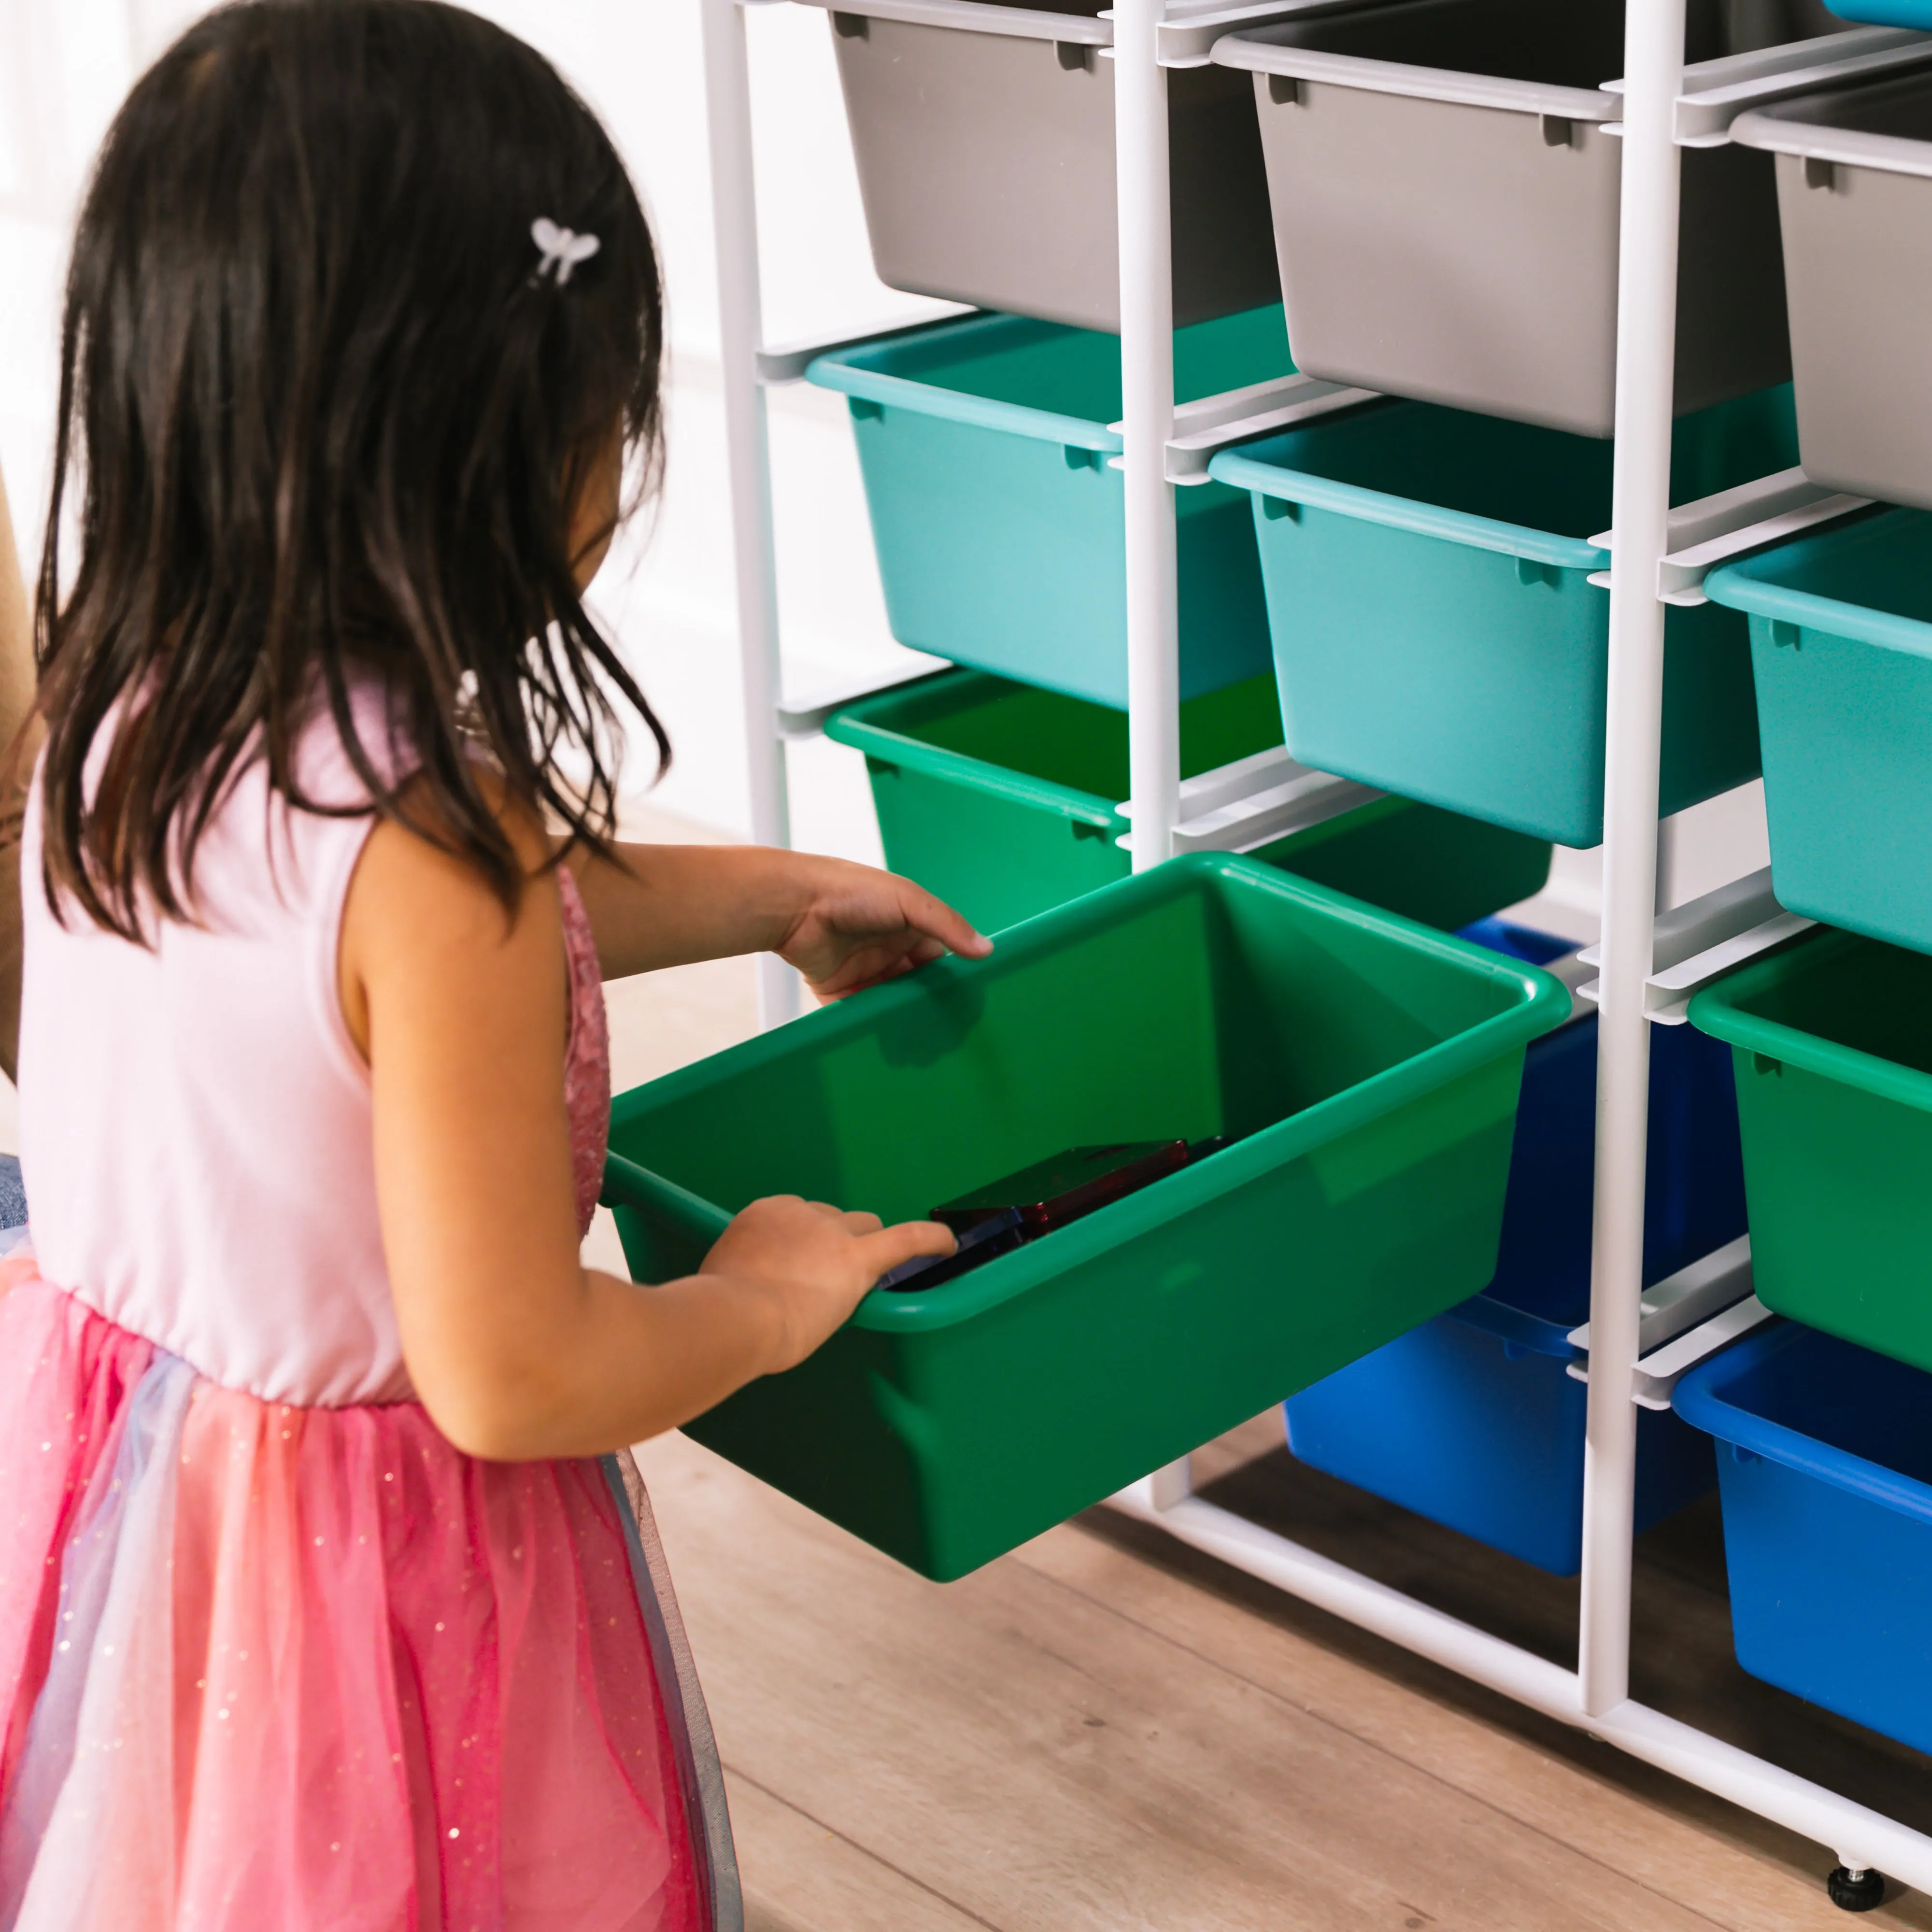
{"x": 895, "y": 747}
{"x": 1740, "y": 587}
{"x": 1242, "y": 471}
{"x": 1714, "y": 1010}
{"x": 1543, "y": 1003}
{"x": 838, "y": 371}
{"x": 1718, "y": 1417}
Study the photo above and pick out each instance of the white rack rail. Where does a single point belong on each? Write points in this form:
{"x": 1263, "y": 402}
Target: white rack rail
{"x": 1648, "y": 967}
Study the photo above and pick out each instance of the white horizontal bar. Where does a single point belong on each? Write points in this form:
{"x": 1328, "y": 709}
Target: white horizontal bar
{"x": 787, "y": 362}
{"x": 1299, "y": 805}
{"x": 1653, "y": 1383}
{"x": 1731, "y": 509}
{"x": 1697, "y": 942}
{"x": 1680, "y": 576}
{"x": 1207, "y": 791}
{"x": 1186, "y": 37}
{"x": 1293, "y": 399}
{"x": 800, "y": 718}
{"x": 1244, "y": 824}
{"x": 1689, "y": 928}
{"x": 1716, "y": 92}
{"x": 1374, "y": 1607}
{"x": 1861, "y": 1839}
{"x": 1683, "y": 1300}
{"x": 1705, "y": 533}
{"x": 1418, "y": 83}
{"x": 1679, "y": 982}
{"x": 1656, "y": 1380}
{"x": 1666, "y": 995}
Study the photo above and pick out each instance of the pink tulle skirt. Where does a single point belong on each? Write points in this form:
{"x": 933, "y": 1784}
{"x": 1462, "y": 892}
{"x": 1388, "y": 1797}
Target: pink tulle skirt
{"x": 279, "y": 1669}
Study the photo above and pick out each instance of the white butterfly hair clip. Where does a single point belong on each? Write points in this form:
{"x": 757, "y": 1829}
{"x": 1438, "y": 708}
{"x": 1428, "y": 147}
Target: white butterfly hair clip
{"x": 563, "y": 248}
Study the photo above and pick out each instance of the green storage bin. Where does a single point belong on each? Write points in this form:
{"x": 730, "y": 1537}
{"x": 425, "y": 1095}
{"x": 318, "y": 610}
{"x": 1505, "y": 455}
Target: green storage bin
{"x": 999, "y": 521}
{"x": 1841, "y": 643}
{"x": 1435, "y": 631}
{"x": 1372, "y": 1065}
{"x": 1831, "y": 1040}
{"x": 1001, "y": 797}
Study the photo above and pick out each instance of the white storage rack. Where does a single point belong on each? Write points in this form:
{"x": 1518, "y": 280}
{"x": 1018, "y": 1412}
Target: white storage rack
{"x": 1648, "y": 963}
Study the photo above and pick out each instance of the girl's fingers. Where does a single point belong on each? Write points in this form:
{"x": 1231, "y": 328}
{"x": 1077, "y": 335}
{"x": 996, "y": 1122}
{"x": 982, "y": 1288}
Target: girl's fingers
{"x": 858, "y": 1222}
{"x": 892, "y": 1246}
{"x": 935, "y": 918}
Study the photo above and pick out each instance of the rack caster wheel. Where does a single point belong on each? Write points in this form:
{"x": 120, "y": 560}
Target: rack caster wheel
{"x": 1856, "y": 1891}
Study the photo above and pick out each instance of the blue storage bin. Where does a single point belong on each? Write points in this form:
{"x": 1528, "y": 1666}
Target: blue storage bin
{"x": 1841, "y": 643}
{"x": 1825, "y": 1467}
{"x": 1435, "y": 631}
{"x": 1473, "y": 1420}
{"x": 1000, "y": 524}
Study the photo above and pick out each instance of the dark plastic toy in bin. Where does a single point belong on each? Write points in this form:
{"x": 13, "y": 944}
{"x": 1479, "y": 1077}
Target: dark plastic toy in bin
{"x": 1825, "y": 1465}
{"x": 1436, "y": 633}
{"x": 1832, "y": 1041}
{"x": 984, "y": 137}
{"x": 1474, "y": 1419}
{"x": 1447, "y": 189}
{"x": 1002, "y": 799}
{"x": 1000, "y": 524}
{"x": 1841, "y": 646}
{"x": 1368, "y": 1067}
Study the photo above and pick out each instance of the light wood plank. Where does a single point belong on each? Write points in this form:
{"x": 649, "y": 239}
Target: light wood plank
{"x": 1044, "y": 1762}
{"x": 1577, "y": 1793}
{"x": 800, "y": 1876}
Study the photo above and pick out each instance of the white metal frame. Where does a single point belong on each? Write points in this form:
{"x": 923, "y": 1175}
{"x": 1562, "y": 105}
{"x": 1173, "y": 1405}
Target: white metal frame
{"x": 1637, "y": 1342}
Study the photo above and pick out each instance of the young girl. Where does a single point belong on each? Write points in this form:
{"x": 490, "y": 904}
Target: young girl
{"x": 315, "y": 1610}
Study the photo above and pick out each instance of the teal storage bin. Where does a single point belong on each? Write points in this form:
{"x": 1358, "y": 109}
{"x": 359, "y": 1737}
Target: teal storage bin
{"x": 1841, "y": 642}
{"x": 1435, "y": 631}
{"x": 1000, "y": 525}
{"x": 1003, "y": 799}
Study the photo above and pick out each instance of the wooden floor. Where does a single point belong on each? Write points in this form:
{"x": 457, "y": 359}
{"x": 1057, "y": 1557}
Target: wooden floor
{"x": 1106, "y": 1730}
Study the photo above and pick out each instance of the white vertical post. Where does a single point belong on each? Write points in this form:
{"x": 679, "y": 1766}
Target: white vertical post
{"x": 1146, "y": 384}
{"x": 1646, "y": 349}
{"x": 734, "y": 211}
{"x": 1146, "y": 395}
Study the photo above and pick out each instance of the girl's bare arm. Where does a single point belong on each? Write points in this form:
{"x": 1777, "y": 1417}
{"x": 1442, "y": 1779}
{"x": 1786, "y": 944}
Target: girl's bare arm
{"x": 517, "y": 1350}
{"x": 842, "y": 926}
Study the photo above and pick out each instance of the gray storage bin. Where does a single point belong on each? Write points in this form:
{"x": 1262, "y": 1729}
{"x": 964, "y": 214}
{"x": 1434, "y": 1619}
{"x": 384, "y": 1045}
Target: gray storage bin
{"x": 1446, "y": 204}
{"x": 984, "y": 135}
{"x": 1854, "y": 194}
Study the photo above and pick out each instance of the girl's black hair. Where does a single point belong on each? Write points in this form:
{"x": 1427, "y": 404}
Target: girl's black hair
{"x": 330, "y": 423}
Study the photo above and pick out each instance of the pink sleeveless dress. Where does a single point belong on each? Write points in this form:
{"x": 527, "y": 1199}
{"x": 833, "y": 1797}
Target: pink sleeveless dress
{"x": 274, "y": 1657}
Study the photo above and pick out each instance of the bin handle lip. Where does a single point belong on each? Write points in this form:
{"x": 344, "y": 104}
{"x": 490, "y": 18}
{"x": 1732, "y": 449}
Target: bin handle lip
{"x": 851, "y": 378}
{"x": 1543, "y": 1003}
{"x": 705, "y": 1218}
{"x": 1716, "y": 1011}
{"x": 935, "y": 761}
{"x": 976, "y": 17}
{"x": 1260, "y": 54}
{"x": 1785, "y": 129}
{"x": 1244, "y": 471}
{"x": 1742, "y": 587}
{"x": 1701, "y": 1406}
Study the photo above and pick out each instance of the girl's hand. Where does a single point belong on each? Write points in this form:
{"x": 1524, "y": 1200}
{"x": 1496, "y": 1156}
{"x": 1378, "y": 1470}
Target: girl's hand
{"x": 815, "y": 1263}
{"x": 859, "y": 927}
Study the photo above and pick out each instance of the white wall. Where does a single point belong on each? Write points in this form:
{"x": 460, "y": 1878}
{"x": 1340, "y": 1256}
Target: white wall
{"x": 64, "y": 64}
